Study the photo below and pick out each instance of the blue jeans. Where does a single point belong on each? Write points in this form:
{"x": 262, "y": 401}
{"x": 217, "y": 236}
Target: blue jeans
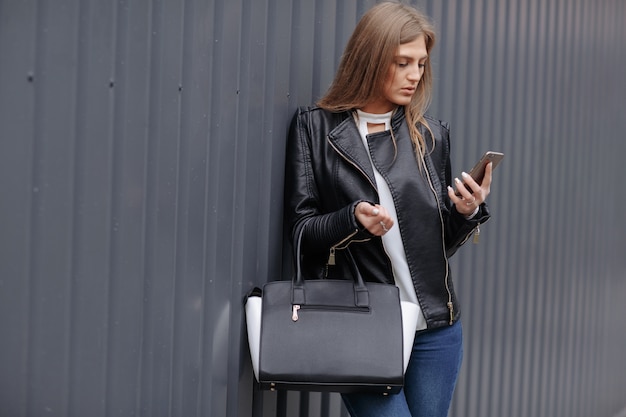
{"x": 428, "y": 383}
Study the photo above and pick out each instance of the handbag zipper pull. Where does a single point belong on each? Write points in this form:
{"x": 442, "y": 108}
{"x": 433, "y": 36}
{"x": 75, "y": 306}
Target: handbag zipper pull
{"x": 476, "y": 234}
{"x": 294, "y": 312}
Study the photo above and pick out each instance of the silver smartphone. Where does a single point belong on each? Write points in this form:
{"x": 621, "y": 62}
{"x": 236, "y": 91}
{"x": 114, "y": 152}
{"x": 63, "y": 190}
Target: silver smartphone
{"x": 478, "y": 171}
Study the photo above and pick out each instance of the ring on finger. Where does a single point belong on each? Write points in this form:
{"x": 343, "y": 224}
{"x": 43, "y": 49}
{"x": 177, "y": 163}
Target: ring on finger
{"x": 469, "y": 203}
{"x": 384, "y": 226}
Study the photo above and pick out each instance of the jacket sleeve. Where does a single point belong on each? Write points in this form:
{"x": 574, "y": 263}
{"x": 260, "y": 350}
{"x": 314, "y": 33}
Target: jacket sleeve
{"x": 302, "y": 196}
{"x": 458, "y": 229}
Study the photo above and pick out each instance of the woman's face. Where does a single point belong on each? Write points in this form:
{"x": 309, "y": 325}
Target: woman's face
{"x": 403, "y": 75}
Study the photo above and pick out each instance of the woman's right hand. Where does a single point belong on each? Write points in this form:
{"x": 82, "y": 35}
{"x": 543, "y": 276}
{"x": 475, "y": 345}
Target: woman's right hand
{"x": 374, "y": 218}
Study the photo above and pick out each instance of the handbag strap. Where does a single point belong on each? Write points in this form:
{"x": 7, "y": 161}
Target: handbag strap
{"x": 361, "y": 293}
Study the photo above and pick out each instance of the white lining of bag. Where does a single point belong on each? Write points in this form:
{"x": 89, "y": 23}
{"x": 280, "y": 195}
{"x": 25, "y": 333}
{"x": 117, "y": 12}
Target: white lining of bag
{"x": 410, "y": 314}
{"x": 253, "y": 323}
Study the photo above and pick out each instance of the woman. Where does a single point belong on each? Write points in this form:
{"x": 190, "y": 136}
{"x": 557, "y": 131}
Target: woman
{"x": 369, "y": 171}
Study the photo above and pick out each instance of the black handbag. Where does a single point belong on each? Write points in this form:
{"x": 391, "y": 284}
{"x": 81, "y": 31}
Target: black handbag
{"x": 327, "y": 335}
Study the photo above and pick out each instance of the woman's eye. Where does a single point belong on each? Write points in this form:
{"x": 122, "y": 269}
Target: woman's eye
{"x": 421, "y": 65}
{"x": 402, "y": 64}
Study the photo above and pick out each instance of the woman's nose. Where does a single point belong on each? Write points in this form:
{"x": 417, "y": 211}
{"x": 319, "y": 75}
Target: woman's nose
{"x": 416, "y": 73}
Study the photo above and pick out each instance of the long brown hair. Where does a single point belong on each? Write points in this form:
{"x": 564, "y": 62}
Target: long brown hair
{"x": 370, "y": 51}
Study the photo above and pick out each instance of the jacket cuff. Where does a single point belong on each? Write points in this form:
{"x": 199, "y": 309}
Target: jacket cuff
{"x": 480, "y": 216}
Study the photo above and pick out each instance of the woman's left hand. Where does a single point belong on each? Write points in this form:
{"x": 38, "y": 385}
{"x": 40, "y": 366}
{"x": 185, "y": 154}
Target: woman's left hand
{"x": 467, "y": 202}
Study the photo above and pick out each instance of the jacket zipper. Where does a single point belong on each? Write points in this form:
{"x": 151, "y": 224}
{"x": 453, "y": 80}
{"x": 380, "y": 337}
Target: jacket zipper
{"x": 351, "y": 163}
{"x": 449, "y": 304}
{"x": 476, "y": 232}
{"x": 331, "y": 254}
{"x": 331, "y": 257}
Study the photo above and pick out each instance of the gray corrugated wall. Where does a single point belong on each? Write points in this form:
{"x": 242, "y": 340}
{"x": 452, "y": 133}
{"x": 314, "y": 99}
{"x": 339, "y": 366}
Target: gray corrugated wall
{"x": 141, "y": 156}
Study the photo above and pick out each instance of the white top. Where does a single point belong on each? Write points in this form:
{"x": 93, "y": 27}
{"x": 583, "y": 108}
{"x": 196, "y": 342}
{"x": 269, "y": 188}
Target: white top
{"x": 392, "y": 241}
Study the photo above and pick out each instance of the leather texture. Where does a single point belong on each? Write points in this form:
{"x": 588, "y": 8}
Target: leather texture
{"x": 329, "y": 335}
{"x": 335, "y": 344}
{"x": 254, "y": 307}
{"x": 328, "y": 172}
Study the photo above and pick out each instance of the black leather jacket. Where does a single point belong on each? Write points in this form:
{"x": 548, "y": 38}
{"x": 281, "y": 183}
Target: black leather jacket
{"x": 328, "y": 172}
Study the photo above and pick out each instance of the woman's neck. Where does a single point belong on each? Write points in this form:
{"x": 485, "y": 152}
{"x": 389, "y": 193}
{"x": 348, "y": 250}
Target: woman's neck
{"x": 378, "y": 107}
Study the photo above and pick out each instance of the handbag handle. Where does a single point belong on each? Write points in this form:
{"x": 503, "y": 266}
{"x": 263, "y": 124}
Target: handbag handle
{"x": 361, "y": 293}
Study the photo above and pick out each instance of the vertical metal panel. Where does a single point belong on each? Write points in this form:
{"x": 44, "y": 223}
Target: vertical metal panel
{"x": 16, "y": 155}
{"x": 141, "y": 170}
{"x": 530, "y": 317}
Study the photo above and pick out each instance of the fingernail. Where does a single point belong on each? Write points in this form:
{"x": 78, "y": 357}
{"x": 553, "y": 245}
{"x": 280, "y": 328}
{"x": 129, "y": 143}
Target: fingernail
{"x": 464, "y": 174}
{"x": 375, "y": 212}
{"x": 457, "y": 180}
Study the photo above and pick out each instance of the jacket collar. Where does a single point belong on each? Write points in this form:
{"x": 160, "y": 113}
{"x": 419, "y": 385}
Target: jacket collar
{"x": 345, "y": 138}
